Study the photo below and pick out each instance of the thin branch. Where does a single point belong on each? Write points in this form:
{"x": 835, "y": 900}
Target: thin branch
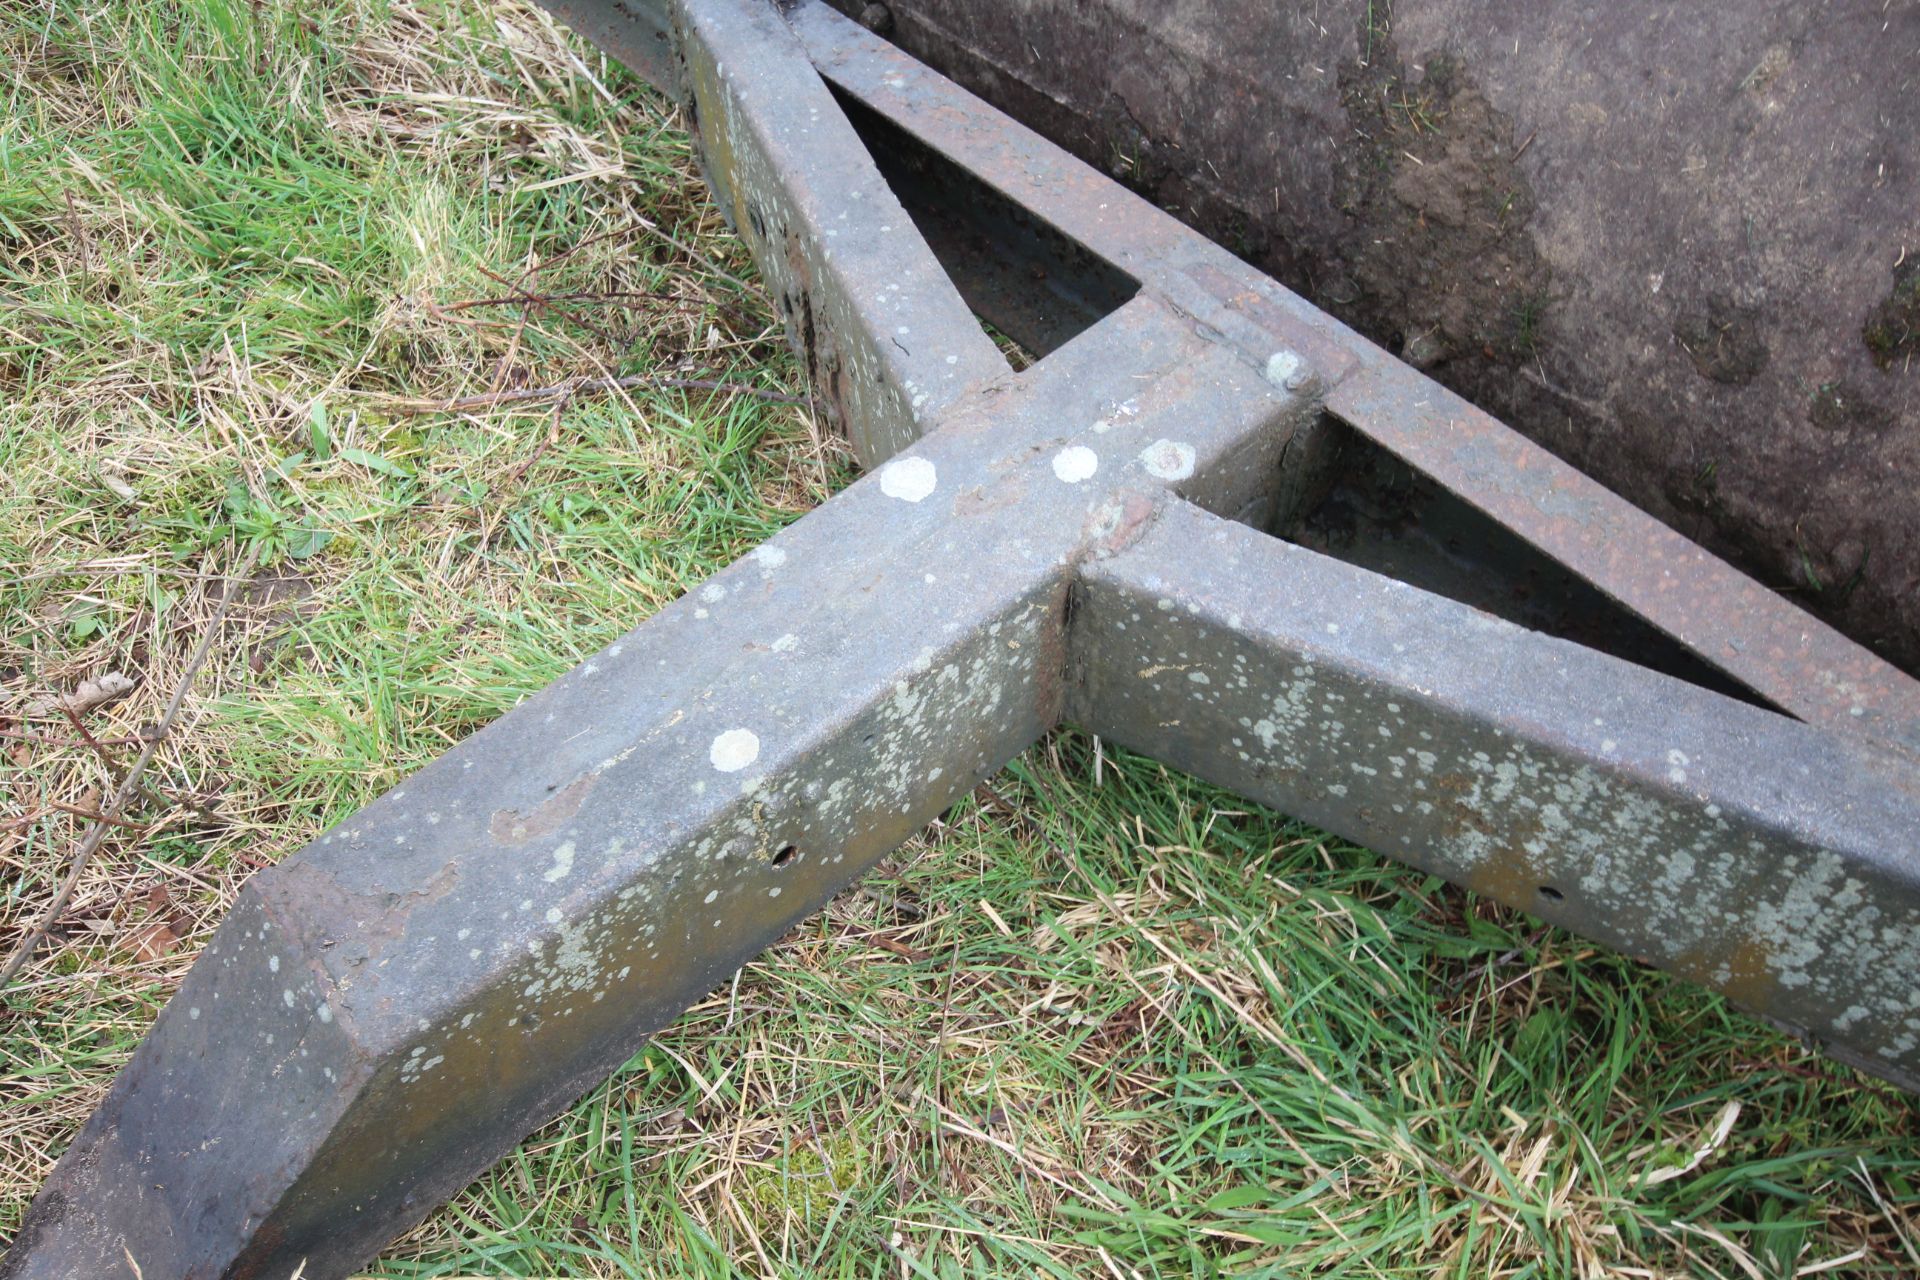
{"x": 128, "y": 784}
{"x": 590, "y": 386}
{"x": 617, "y": 297}
{"x": 549, "y": 306}
{"x": 703, "y": 260}
{"x": 117, "y": 771}
{"x": 44, "y": 740}
{"x": 86, "y": 736}
{"x": 79, "y": 811}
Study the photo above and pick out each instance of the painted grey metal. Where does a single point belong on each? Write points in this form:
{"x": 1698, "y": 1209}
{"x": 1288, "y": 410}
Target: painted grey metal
{"x": 389, "y": 1010}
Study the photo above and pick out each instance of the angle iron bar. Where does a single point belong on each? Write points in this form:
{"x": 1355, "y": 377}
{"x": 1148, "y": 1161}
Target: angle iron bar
{"x": 508, "y": 925}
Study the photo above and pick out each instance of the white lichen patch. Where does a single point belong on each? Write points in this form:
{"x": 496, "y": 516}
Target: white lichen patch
{"x": 1285, "y": 369}
{"x": 734, "y": 750}
{"x": 1168, "y": 459}
{"x": 909, "y": 479}
{"x": 768, "y": 557}
{"x": 1075, "y": 463}
{"x": 561, "y": 868}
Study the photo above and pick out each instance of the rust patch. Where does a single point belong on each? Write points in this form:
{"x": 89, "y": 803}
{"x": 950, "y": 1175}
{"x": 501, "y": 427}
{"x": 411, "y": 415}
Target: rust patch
{"x": 1742, "y": 974}
{"x": 1508, "y": 874}
{"x": 1115, "y": 527}
{"x": 510, "y": 826}
{"x": 1004, "y": 494}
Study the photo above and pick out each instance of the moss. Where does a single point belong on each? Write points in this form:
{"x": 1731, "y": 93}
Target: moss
{"x": 1892, "y": 331}
{"x": 814, "y": 1175}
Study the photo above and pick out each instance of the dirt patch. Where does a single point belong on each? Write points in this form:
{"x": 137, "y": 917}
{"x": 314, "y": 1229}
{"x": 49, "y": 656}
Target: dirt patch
{"x": 276, "y": 604}
{"x": 1842, "y": 408}
{"x": 1892, "y": 332}
{"x": 1441, "y": 264}
{"x": 1723, "y": 340}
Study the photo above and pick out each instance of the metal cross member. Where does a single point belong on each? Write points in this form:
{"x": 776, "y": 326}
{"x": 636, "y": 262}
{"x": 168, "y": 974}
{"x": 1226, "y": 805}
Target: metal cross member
{"x": 1089, "y": 540}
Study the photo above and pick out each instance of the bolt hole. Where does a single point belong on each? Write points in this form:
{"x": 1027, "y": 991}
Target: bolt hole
{"x": 1552, "y": 894}
{"x": 786, "y": 855}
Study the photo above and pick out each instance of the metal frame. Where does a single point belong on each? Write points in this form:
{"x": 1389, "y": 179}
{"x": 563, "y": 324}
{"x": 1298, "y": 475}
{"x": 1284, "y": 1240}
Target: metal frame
{"x": 390, "y": 1010}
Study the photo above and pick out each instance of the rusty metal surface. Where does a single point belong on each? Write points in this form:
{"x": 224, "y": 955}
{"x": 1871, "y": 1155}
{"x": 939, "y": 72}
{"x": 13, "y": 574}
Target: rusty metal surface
{"x": 889, "y": 344}
{"x": 390, "y": 1009}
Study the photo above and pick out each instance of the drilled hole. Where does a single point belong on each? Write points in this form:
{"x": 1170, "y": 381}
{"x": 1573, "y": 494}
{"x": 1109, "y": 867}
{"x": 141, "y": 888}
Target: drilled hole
{"x": 1552, "y": 894}
{"x": 786, "y": 855}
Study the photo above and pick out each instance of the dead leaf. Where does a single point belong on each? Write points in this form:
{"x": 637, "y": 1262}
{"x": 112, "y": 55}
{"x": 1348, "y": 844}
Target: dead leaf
{"x": 96, "y": 692}
{"x": 114, "y": 476}
{"x": 151, "y": 941}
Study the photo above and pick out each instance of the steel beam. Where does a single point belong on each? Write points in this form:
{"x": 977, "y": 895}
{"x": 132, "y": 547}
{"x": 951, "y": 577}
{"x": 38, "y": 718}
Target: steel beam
{"x": 1762, "y": 857}
{"x": 388, "y": 1011}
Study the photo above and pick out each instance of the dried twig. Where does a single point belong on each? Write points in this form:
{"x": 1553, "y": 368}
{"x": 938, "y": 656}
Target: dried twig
{"x": 47, "y": 740}
{"x": 117, "y": 772}
{"x": 612, "y": 297}
{"x": 549, "y": 305}
{"x": 589, "y": 386}
{"x": 702, "y": 259}
{"x": 81, "y": 811}
{"x": 128, "y": 784}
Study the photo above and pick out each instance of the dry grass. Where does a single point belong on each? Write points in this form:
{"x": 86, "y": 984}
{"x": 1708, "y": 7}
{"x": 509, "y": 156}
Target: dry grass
{"x": 1101, "y": 1021}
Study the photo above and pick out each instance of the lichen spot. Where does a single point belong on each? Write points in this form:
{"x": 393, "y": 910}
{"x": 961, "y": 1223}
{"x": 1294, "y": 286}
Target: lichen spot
{"x": 1075, "y": 463}
{"x": 562, "y": 864}
{"x": 734, "y": 750}
{"x": 273, "y": 964}
{"x": 1168, "y": 459}
{"x": 713, "y": 593}
{"x": 1285, "y": 369}
{"x": 908, "y": 479}
{"x": 1677, "y": 762}
{"x": 323, "y": 1012}
{"x": 769, "y": 557}
{"x": 786, "y": 643}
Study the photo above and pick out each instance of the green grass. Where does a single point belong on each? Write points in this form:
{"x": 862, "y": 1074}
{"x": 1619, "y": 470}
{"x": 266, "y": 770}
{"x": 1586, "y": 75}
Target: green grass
{"x": 1101, "y": 1020}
